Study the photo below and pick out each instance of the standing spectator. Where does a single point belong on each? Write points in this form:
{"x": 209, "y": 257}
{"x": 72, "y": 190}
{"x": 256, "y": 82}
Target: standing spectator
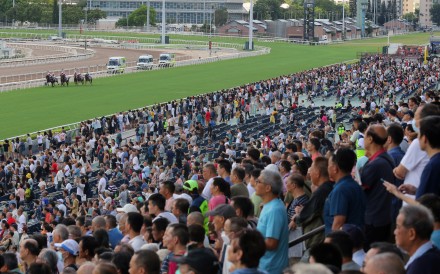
{"x": 310, "y": 214}
{"x": 384, "y": 263}
{"x": 246, "y": 252}
{"x": 167, "y": 189}
{"x": 273, "y": 223}
{"x": 379, "y": 167}
{"x": 238, "y": 188}
{"x": 156, "y": 207}
{"x": 133, "y": 226}
{"x": 198, "y": 261}
{"x": 114, "y": 234}
{"x": 414, "y": 227}
{"x": 144, "y": 261}
{"x": 346, "y": 202}
{"x": 69, "y": 250}
{"x": 344, "y": 243}
{"x": 28, "y": 252}
{"x": 209, "y": 173}
{"x": 175, "y": 239}
{"x": 102, "y": 183}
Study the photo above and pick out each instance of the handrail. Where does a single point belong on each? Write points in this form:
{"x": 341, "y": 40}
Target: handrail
{"x": 307, "y": 236}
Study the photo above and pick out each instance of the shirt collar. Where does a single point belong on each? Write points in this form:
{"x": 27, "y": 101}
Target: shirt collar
{"x": 375, "y": 155}
{"x": 419, "y": 252}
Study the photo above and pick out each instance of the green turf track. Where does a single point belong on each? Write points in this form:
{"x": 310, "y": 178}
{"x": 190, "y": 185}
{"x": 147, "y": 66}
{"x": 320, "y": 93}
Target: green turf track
{"x": 39, "y": 108}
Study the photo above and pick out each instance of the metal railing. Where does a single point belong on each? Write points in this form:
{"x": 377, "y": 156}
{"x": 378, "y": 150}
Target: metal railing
{"x": 307, "y": 236}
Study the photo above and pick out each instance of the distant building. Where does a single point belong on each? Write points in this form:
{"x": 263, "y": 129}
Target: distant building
{"x": 177, "y": 11}
{"x": 398, "y": 26}
{"x": 409, "y": 6}
{"x": 425, "y": 15}
{"x": 241, "y": 28}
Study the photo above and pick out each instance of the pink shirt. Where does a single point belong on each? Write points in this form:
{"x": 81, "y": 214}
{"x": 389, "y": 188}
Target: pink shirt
{"x": 215, "y": 201}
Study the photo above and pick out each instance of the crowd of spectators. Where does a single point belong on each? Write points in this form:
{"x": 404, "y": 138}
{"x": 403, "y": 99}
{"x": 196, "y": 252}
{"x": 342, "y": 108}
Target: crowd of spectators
{"x": 222, "y": 182}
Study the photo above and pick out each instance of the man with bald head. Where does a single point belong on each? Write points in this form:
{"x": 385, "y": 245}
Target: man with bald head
{"x": 29, "y": 252}
{"x": 385, "y": 263}
{"x": 86, "y": 268}
{"x": 379, "y": 167}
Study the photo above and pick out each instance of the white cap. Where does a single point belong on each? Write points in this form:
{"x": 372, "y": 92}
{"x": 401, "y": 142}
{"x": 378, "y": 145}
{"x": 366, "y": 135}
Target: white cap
{"x": 128, "y": 208}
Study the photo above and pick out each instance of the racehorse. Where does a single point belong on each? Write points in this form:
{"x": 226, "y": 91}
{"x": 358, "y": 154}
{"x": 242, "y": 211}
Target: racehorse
{"x": 50, "y": 78}
{"x": 88, "y": 78}
{"x": 78, "y": 78}
{"x": 64, "y": 79}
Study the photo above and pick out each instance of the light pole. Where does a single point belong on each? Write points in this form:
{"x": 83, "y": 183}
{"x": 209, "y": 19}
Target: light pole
{"x": 343, "y": 20}
{"x": 285, "y": 7}
{"x": 148, "y": 15}
{"x": 13, "y": 18}
{"x": 163, "y": 22}
{"x": 60, "y": 19}
{"x": 251, "y": 23}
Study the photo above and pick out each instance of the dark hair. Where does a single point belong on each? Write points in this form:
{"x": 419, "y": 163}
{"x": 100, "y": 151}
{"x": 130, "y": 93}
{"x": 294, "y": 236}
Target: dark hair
{"x": 81, "y": 220}
{"x": 362, "y": 126}
{"x": 158, "y": 200}
{"x": 111, "y": 220}
{"x": 161, "y": 224}
{"x": 223, "y": 186}
{"x": 343, "y": 242}
{"x": 39, "y": 268}
{"x": 121, "y": 260}
{"x": 101, "y": 237}
{"x": 286, "y": 165}
{"x": 10, "y": 260}
{"x": 89, "y": 244}
{"x": 315, "y": 142}
{"x": 254, "y": 154}
{"x": 251, "y": 242}
{"x": 148, "y": 260}
{"x": 41, "y": 240}
{"x": 239, "y": 172}
{"x": 432, "y": 202}
{"x": 395, "y": 131}
{"x": 182, "y": 205}
{"x": 301, "y": 165}
{"x": 345, "y": 159}
{"x": 327, "y": 254}
{"x": 169, "y": 185}
{"x": 181, "y": 232}
{"x": 291, "y": 146}
{"x": 297, "y": 179}
{"x": 32, "y": 246}
{"x": 256, "y": 173}
{"x": 245, "y": 205}
{"x": 321, "y": 163}
{"x": 196, "y": 233}
{"x": 430, "y": 128}
{"x": 135, "y": 220}
{"x": 226, "y": 165}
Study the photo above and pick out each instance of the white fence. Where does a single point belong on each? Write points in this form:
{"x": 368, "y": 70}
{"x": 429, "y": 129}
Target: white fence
{"x": 9, "y": 83}
{"x": 70, "y": 54}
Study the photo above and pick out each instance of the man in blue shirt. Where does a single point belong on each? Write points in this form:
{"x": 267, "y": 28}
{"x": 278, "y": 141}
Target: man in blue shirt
{"x": 114, "y": 235}
{"x": 273, "y": 223}
{"x": 346, "y": 203}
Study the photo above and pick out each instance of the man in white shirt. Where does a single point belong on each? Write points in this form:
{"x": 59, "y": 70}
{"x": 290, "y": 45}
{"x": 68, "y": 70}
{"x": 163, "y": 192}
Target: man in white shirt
{"x": 135, "y": 161}
{"x": 133, "y": 226}
{"x": 102, "y": 183}
{"x": 21, "y": 220}
{"x": 61, "y": 206}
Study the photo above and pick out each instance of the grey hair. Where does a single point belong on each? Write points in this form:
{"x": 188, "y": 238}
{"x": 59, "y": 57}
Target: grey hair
{"x": 276, "y": 154}
{"x": 302, "y": 268}
{"x": 62, "y": 230}
{"x": 419, "y": 218}
{"x": 50, "y": 258}
{"x": 388, "y": 263}
{"x": 273, "y": 179}
{"x": 99, "y": 222}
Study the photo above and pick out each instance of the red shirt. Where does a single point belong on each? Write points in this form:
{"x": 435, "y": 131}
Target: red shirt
{"x": 54, "y": 168}
{"x": 11, "y": 220}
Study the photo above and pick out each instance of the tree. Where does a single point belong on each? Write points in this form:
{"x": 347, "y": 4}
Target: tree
{"x": 435, "y": 14}
{"x": 94, "y": 15}
{"x": 221, "y": 16}
{"x": 138, "y": 18}
{"x": 268, "y": 9}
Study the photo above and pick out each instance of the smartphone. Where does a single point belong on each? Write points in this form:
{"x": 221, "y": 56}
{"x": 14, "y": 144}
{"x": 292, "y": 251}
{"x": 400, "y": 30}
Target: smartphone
{"x": 382, "y": 180}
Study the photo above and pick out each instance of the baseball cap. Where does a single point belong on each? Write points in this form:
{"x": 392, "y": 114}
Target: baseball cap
{"x": 202, "y": 260}
{"x": 70, "y": 246}
{"x": 128, "y": 208}
{"x": 60, "y": 201}
{"x": 190, "y": 185}
{"x": 223, "y": 210}
{"x": 28, "y": 176}
{"x": 410, "y": 113}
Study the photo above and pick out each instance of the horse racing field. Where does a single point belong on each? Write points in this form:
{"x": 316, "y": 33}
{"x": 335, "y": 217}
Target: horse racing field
{"x": 36, "y": 109}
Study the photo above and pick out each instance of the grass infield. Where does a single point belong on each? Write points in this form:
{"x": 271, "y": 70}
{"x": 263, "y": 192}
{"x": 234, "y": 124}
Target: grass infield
{"x": 35, "y": 109}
